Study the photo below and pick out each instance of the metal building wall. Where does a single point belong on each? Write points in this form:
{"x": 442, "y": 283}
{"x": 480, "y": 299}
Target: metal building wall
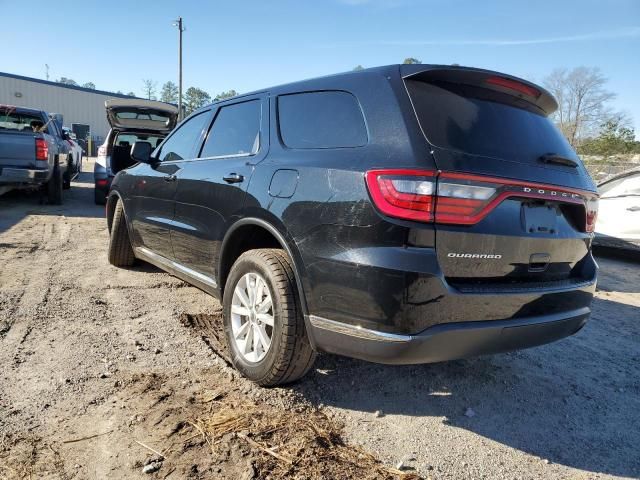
{"x": 77, "y": 105}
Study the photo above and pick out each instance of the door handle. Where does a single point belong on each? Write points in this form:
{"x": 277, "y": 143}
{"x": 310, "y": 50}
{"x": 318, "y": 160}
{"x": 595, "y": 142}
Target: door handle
{"x": 170, "y": 178}
{"x": 635, "y": 208}
{"x": 233, "y": 178}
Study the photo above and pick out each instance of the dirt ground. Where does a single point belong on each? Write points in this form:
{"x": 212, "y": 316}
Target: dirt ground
{"x": 100, "y": 367}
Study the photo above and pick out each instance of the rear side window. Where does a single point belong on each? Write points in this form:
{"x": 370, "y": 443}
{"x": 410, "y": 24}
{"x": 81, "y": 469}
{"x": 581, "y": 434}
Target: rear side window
{"x": 235, "y": 131}
{"x": 480, "y": 122}
{"x": 331, "y": 119}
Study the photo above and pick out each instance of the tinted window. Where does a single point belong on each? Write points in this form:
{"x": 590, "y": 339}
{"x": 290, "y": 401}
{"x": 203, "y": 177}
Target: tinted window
{"x": 321, "y": 120}
{"x": 481, "y": 122}
{"x": 235, "y": 131}
{"x": 181, "y": 144}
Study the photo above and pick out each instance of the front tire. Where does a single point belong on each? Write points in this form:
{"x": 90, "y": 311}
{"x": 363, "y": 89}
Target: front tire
{"x": 263, "y": 322}
{"x": 120, "y": 251}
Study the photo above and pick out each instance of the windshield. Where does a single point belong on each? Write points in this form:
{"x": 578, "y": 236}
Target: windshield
{"x": 21, "y": 122}
{"x": 621, "y": 187}
{"x": 478, "y": 121}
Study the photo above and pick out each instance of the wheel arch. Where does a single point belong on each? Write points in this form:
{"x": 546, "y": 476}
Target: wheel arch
{"x": 232, "y": 248}
{"x": 112, "y": 201}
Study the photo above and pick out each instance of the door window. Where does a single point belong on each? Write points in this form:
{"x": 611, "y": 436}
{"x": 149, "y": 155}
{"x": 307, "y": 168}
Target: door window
{"x": 182, "y": 143}
{"x": 235, "y": 131}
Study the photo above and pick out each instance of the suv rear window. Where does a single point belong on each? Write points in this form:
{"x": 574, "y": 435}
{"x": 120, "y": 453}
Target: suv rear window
{"x": 329, "y": 119}
{"x": 478, "y": 121}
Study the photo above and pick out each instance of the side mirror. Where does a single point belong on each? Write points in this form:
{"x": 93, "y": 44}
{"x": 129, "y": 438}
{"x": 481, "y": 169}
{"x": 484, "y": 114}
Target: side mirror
{"x": 141, "y": 152}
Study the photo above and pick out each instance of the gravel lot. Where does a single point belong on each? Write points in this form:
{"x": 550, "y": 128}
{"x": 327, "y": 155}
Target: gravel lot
{"x": 95, "y": 359}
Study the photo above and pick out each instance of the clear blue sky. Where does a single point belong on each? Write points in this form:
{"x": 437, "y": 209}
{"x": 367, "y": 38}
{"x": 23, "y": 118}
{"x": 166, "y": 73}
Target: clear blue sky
{"x": 247, "y": 45}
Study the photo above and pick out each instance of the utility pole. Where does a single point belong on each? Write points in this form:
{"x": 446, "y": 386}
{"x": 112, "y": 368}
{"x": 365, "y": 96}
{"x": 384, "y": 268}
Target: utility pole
{"x": 46, "y": 66}
{"x": 180, "y": 30}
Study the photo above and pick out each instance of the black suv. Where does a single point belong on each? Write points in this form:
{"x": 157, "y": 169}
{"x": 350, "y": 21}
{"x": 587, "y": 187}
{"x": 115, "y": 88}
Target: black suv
{"x": 401, "y": 214}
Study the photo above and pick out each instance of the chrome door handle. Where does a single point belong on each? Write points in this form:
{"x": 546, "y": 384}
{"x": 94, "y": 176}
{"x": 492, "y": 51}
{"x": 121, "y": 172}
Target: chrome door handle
{"x": 635, "y": 208}
{"x": 233, "y": 178}
{"x": 170, "y": 178}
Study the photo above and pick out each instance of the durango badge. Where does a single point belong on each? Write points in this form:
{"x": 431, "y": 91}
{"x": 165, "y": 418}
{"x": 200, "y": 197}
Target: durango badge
{"x": 473, "y": 255}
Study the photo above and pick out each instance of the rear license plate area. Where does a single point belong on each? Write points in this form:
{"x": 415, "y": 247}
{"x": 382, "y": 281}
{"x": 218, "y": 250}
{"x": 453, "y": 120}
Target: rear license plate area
{"x": 539, "y": 218}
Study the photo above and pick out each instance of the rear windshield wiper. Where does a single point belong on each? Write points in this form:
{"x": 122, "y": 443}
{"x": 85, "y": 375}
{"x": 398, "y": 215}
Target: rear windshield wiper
{"x": 557, "y": 159}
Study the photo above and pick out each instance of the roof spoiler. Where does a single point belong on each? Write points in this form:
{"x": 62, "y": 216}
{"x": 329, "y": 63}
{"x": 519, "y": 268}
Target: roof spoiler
{"x": 488, "y": 79}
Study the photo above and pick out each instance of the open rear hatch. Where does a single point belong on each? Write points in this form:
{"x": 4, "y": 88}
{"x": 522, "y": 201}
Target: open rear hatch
{"x": 514, "y": 205}
{"x": 138, "y": 114}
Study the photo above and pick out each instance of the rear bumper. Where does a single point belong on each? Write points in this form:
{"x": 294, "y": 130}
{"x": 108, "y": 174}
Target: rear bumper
{"x": 21, "y": 176}
{"x": 445, "y": 341}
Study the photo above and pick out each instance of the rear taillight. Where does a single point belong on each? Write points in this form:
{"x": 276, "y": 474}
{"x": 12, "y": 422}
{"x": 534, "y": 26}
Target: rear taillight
{"x": 406, "y": 194}
{"x": 592, "y": 214}
{"x": 461, "y": 199}
{"x": 42, "y": 150}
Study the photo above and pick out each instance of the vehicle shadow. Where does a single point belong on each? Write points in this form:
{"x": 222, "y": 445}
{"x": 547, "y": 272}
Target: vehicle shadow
{"x": 573, "y": 402}
{"x": 77, "y": 202}
{"x": 618, "y": 274}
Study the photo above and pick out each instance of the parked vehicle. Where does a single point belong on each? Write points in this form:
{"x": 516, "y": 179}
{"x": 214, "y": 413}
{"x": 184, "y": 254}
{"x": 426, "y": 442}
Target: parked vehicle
{"x": 401, "y": 214}
{"x": 33, "y": 151}
{"x": 76, "y": 154}
{"x": 619, "y": 219}
{"x": 131, "y": 120}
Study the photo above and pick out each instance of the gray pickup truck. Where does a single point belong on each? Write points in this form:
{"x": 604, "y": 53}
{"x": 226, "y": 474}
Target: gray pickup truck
{"x": 34, "y": 152}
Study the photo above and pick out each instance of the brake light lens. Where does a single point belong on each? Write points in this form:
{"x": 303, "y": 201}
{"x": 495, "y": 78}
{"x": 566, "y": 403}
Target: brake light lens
{"x": 459, "y": 198}
{"x": 514, "y": 85}
{"x": 42, "y": 150}
{"x": 592, "y": 214}
{"x": 406, "y": 194}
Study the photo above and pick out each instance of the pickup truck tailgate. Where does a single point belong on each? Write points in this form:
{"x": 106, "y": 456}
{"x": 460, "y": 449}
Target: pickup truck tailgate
{"x": 17, "y": 149}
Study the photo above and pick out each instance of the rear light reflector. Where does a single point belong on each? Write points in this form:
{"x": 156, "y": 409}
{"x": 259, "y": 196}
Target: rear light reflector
{"x": 102, "y": 182}
{"x": 406, "y": 194}
{"x": 42, "y": 150}
{"x": 459, "y": 198}
{"x": 514, "y": 85}
{"x": 592, "y": 214}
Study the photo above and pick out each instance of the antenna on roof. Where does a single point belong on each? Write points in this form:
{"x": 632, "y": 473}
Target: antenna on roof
{"x": 46, "y": 66}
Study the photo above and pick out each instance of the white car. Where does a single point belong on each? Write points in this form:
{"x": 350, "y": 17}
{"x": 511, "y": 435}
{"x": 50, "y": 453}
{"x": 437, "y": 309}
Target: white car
{"x": 618, "y": 223}
{"x": 131, "y": 120}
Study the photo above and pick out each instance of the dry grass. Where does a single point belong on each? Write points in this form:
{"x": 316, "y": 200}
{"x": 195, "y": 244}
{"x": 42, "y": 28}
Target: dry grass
{"x": 292, "y": 444}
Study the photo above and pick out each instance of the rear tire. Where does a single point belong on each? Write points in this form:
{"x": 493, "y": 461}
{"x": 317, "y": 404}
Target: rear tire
{"x": 99, "y": 197}
{"x": 289, "y": 355}
{"x": 66, "y": 179}
{"x": 120, "y": 251}
{"x": 55, "y": 186}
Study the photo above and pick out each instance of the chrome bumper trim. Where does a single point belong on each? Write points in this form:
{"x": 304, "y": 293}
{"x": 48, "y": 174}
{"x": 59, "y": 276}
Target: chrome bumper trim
{"x": 357, "y": 331}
